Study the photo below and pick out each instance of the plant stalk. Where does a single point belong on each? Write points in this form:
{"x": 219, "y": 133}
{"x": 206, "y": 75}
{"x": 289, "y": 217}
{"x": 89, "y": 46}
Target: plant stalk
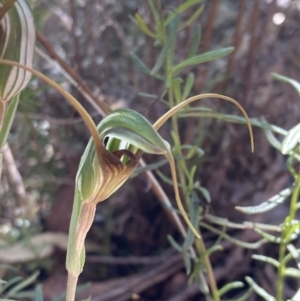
{"x": 71, "y": 287}
{"x": 285, "y": 239}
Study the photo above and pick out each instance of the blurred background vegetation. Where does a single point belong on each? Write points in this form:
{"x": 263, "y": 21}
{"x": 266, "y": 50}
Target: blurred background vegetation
{"x": 85, "y": 45}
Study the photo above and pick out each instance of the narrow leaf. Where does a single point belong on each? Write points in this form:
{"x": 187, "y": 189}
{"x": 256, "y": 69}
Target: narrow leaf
{"x": 23, "y": 284}
{"x": 295, "y": 253}
{"x": 182, "y": 8}
{"x": 291, "y": 140}
{"x": 143, "y": 26}
{"x": 190, "y": 237}
{"x": 193, "y": 18}
{"x": 189, "y": 83}
{"x": 272, "y": 139}
{"x": 267, "y": 259}
{"x": 161, "y": 58}
{"x": 288, "y": 80}
{"x": 268, "y": 237}
{"x": 230, "y": 286}
{"x": 203, "y": 58}
{"x": 269, "y": 204}
{"x": 38, "y": 293}
{"x": 142, "y": 67}
{"x": 196, "y": 38}
{"x": 176, "y": 87}
{"x": 169, "y": 47}
{"x": 292, "y": 272}
{"x": 259, "y": 290}
{"x": 174, "y": 244}
{"x": 187, "y": 262}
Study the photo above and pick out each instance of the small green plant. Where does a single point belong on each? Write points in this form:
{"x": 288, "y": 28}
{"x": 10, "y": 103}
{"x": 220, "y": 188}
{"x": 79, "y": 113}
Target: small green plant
{"x": 290, "y": 228}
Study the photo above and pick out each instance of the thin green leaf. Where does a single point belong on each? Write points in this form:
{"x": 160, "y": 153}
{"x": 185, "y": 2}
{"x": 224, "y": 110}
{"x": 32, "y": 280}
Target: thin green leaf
{"x": 205, "y": 193}
{"x": 269, "y": 204}
{"x": 176, "y": 87}
{"x": 141, "y": 66}
{"x": 295, "y": 254}
{"x": 291, "y": 140}
{"x": 166, "y": 179}
{"x": 213, "y": 249}
{"x": 196, "y": 38}
{"x": 246, "y": 296}
{"x": 235, "y": 241}
{"x": 267, "y": 259}
{"x": 203, "y": 58}
{"x": 169, "y": 47}
{"x": 159, "y": 26}
{"x": 26, "y": 282}
{"x": 152, "y": 166}
{"x": 294, "y": 231}
{"x": 24, "y": 295}
{"x": 155, "y": 15}
{"x": 11, "y": 282}
{"x": 182, "y": 8}
{"x": 161, "y": 58}
{"x": 193, "y": 150}
{"x": 189, "y": 83}
{"x": 259, "y": 290}
{"x": 187, "y": 262}
{"x": 174, "y": 244}
{"x": 268, "y": 237}
{"x": 230, "y": 286}
{"x": 288, "y": 80}
{"x": 292, "y": 272}
{"x": 38, "y": 293}
{"x": 147, "y": 95}
{"x": 208, "y": 113}
{"x": 193, "y": 18}
{"x": 190, "y": 237}
{"x": 143, "y": 26}
{"x": 272, "y": 139}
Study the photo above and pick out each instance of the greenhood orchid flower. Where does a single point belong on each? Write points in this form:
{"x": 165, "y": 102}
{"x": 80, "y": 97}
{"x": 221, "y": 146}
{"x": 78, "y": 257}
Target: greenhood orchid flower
{"x": 124, "y": 135}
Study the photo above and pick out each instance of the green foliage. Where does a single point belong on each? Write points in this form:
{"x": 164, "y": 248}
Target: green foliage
{"x": 290, "y": 226}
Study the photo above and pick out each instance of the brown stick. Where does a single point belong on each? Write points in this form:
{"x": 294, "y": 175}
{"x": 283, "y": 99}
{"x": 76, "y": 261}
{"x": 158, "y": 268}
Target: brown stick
{"x": 253, "y": 21}
{"x": 210, "y": 24}
{"x": 73, "y": 73}
{"x": 236, "y": 43}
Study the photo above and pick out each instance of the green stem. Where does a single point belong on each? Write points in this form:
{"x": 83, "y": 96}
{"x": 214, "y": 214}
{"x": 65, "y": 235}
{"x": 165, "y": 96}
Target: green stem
{"x": 181, "y": 173}
{"x": 210, "y": 273}
{"x": 71, "y": 287}
{"x": 285, "y": 239}
{"x": 6, "y": 7}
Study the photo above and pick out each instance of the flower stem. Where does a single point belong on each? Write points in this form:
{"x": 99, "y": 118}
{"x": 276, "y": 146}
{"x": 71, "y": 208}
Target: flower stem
{"x": 71, "y": 287}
